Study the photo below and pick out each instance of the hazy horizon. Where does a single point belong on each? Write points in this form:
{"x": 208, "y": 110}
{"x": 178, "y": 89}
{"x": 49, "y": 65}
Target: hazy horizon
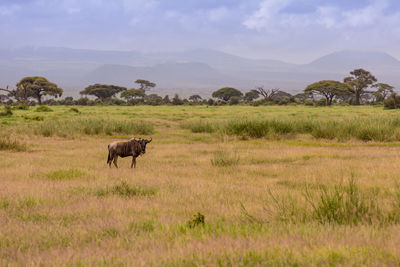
{"x": 292, "y": 31}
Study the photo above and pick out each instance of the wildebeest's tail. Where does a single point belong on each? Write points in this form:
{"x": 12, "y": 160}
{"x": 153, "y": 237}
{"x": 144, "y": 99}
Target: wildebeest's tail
{"x": 108, "y": 159}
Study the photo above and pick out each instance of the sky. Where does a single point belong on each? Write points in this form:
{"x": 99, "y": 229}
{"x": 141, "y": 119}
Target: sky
{"x": 296, "y": 31}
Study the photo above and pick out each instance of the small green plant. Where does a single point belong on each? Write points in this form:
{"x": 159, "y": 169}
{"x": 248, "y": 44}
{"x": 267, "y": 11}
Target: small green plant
{"x": 125, "y": 190}
{"x": 74, "y": 110}
{"x": 33, "y": 118}
{"x": 43, "y": 109}
{"x": 198, "y": 220}
{"x": 21, "y": 107}
{"x": 224, "y": 158}
{"x": 4, "y": 203}
{"x": 7, "y": 111}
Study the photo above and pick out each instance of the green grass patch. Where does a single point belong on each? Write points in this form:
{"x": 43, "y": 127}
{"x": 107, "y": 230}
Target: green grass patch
{"x": 43, "y": 109}
{"x": 347, "y": 204}
{"x": 72, "y": 128}
{"x": 200, "y": 126}
{"x": 125, "y": 190}
{"x": 61, "y": 175}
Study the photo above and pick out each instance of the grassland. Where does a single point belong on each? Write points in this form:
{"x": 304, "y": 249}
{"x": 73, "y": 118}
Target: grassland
{"x": 276, "y": 185}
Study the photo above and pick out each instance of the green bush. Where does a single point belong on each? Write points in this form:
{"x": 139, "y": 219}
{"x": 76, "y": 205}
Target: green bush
{"x": 43, "y": 109}
{"x": 7, "y": 111}
{"x": 392, "y": 102}
{"x": 33, "y": 118}
{"x": 74, "y": 110}
{"x": 21, "y": 107}
{"x": 198, "y": 220}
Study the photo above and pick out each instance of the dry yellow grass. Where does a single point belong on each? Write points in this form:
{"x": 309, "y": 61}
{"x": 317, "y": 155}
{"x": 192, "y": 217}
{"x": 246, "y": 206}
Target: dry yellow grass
{"x": 53, "y": 211}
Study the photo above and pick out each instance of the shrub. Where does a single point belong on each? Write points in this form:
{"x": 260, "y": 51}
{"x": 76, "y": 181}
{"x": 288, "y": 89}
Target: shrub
{"x": 7, "y": 111}
{"x": 43, "y": 109}
{"x": 392, "y": 102}
{"x": 320, "y": 103}
{"x": 345, "y": 205}
{"x": 21, "y": 107}
{"x": 308, "y": 102}
{"x": 234, "y": 100}
{"x": 74, "y": 110}
{"x": 13, "y": 145}
{"x": 33, "y": 118}
{"x": 198, "y": 220}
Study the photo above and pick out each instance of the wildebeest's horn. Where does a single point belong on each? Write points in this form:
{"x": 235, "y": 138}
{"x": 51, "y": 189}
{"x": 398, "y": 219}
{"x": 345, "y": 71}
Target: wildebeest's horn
{"x": 148, "y": 141}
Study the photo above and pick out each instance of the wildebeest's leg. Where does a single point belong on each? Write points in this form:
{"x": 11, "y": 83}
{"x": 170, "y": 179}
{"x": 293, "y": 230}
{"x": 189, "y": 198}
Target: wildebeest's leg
{"x": 110, "y": 159}
{"x": 133, "y": 162}
{"x": 115, "y": 161}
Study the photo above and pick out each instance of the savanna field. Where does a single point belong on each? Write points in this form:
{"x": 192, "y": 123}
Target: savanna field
{"x": 225, "y": 186}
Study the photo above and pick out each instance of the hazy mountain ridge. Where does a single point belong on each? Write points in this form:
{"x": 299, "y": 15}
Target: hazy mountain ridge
{"x": 197, "y": 70}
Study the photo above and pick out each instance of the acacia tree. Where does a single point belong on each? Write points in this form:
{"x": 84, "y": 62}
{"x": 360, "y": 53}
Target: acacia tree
{"x": 251, "y": 95}
{"x": 102, "y": 91}
{"x": 195, "y": 98}
{"x": 133, "y": 94}
{"x": 145, "y": 85}
{"x": 328, "y": 89}
{"x": 268, "y": 94}
{"x": 37, "y": 87}
{"x": 226, "y": 93}
{"x": 383, "y": 91}
{"x": 359, "y": 81}
{"x": 20, "y": 94}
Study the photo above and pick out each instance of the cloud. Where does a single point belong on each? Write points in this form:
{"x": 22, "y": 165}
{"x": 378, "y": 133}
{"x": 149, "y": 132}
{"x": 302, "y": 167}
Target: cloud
{"x": 218, "y": 14}
{"x": 366, "y": 16}
{"x": 139, "y": 5}
{"x": 265, "y": 15}
{"x": 73, "y": 10}
{"x": 8, "y": 10}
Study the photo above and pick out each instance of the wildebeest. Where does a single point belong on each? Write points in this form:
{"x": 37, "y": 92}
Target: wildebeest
{"x": 133, "y": 147}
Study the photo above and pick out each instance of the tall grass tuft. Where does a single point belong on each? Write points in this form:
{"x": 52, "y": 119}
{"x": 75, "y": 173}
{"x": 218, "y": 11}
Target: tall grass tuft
{"x": 343, "y": 205}
{"x": 223, "y": 158}
{"x": 6, "y": 143}
{"x": 92, "y": 127}
{"x": 125, "y": 190}
{"x": 378, "y": 129}
{"x": 346, "y": 205}
{"x": 200, "y": 126}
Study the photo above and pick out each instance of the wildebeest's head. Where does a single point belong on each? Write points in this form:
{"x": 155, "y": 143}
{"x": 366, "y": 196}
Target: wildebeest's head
{"x": 143, "y": 143}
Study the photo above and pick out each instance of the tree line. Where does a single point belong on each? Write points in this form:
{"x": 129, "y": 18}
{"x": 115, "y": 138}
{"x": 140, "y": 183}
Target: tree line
{"x": 360, "y": 87}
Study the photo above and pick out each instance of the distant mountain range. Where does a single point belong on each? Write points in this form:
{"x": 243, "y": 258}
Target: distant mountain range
{"x": 198, "y": 71}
